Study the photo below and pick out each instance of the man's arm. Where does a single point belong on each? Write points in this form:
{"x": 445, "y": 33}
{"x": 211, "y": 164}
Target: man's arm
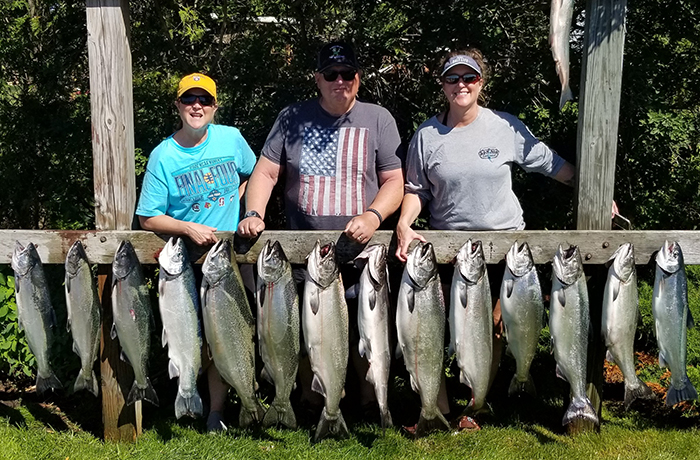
{"x": 260, "y": 185}
{"x": 388, "y": 199}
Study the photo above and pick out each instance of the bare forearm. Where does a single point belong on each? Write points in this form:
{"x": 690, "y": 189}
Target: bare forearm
{"x": 410, "y": 209}
{"x": 390, "y": 193}
{"x": 198, "y": 233}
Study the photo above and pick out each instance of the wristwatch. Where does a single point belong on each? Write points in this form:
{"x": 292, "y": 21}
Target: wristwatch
{"x": 252, "y": 213}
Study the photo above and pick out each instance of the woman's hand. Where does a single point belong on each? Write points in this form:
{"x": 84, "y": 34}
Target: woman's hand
{"x": 250, "y": 227}
{"x": 361, "y": 228}
{"x": 200, "y": 234}
{"x": 404, "y": 236}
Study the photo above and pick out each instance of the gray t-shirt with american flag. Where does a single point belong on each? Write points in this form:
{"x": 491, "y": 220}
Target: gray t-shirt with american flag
{"x": 331, "y": 163}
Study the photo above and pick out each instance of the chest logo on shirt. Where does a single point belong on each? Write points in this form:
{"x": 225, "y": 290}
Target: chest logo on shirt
{"x": 206, "y": 179}
{"x": 331, "y": 171}
{"x": 488, "y": 153}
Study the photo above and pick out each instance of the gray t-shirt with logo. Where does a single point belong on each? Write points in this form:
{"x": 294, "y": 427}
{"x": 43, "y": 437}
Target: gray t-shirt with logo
{"x": 331, "y": 163}
{"x": 464, "y": 174}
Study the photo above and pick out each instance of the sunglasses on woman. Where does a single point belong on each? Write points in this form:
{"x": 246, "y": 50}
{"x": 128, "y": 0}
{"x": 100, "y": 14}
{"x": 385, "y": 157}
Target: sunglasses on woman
{"x": 467, "y": 78}
{"x": 204, "y": 99}
{"x": 332, "y": 75}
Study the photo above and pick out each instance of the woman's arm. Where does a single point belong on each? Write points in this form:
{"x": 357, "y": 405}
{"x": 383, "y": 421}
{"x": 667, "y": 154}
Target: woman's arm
{"x": 198, "y": 233}
{"x": 410, "y": 209}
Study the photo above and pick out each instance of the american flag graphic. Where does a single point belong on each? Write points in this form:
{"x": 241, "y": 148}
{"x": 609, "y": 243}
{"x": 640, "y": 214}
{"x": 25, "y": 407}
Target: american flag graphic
{"x": 331, "y": 171}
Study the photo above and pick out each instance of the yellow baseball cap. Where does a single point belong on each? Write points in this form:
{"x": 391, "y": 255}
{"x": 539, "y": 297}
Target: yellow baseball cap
{"x": 196, "y": 80}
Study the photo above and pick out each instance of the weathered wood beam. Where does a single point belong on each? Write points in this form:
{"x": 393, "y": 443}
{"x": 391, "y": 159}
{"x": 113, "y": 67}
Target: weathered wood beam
{"x": 114, "y": 177}
{"x": 596, "y": 246}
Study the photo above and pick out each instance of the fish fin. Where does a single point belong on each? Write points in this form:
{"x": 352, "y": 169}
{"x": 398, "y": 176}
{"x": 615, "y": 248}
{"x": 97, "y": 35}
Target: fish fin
{"x": 691, "y": 322}
{"x": 609, "y": 357}
{"x": 75, "y": 348}
{"x": 260, "y": 293}
{"x": 113, "y": 332}
{"x": 463, "y": 294}
{"x": 662, "y": 361}
{"x": 83, "y": 382}
{"x": 353, "y": 291}
{"x": 331, "y": 426}
{"x": 314, "y": 302}
{"x": 505, "y": 334}
{"x": 399, "y": 352}
{"x": 173, "y": 371}
{"x": 411, "y": 300}
{"x": 385, "y": 418}
{"x": 580, "y": 408}
{"x": 164, "y": 338}
{"x": 685, "y": 393}
{"x": 191, "y": 406}
{"x": 428, "y": 424}
{"x": 414, "y": 386}
{"x": 561, "y": 297}
{"x": 124, "y": 358}
{"x": 566, "y": 95}
{"x": 362, "y": 347}
{"x": 508, "y": 284}
{"x": 49, "y": 383}
{"x": 560, "y": 374}
{"x": 280, "y": 413}
{"x": 463, "y": 378}
{"x": 317, "y": 386}
{"x": 138, "y": 394}
{"x": 528, "y": 386}
{"x": 373, "y": 300}
{"x": 248, "y": 416}
{"x": 615, "y": 285}
{"x": 266, "y": 375}
{"x": 370, "y": 376}
{"x": 640, "y": 391}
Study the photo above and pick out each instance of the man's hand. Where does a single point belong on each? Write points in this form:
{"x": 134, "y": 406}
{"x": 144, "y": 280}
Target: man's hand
{"x": 250, "y": 227}
{"x": 361, "y": 228}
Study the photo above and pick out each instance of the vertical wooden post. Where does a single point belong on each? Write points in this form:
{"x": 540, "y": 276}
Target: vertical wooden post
{"x": 599, "y": 109}
{"x": 111, "y": 105}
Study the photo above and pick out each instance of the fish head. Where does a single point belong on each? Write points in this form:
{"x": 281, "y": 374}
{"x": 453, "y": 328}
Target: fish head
{"x": 374, "y": 258}
{"x": 470, "y": 261}
{"x": 217, "y": 264}
{"x": 670, "y": 257}
{"x": 519, "y": 259}
{"x": 125, "y": 260}
{"x": 421, "y": 264}
{"x": 24, "y": 258}
{"x": 272, "y": 262}
{"x": 321, "y": 264}
{"x": 622, "y": 262}
{"x": 567, "y": 265}
{"x": 173, "y": 258}
{"x": 76, "y": 259}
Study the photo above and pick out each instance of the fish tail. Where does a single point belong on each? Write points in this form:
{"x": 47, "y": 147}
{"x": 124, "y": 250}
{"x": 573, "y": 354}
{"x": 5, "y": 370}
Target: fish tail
{"x": 427, "y": 425}
{"x": 385, "y": 417}
{"x": 138, "y": 394}
{"x": 191, "y": 406}
{"x": 47, "y": 383}
{"x": 686, "y": 393}
{"x": 280, "y": 412}
{"x": 248, "y": 416}
{"x": 528, "y": 386}
{"x": 566, "y": 95}
{"x": 331, "y": 426}
{"x": 580, "y": 408}
{"x": 86, "y": 381}
{"x": 641, "y": 390}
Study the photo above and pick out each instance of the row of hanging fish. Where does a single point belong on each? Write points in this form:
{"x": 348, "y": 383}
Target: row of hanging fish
{"x": 229, "y": 325}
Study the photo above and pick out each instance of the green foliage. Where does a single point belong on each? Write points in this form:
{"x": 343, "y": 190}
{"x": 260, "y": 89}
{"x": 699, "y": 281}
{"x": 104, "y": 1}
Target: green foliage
{"x": 16, "y": 361}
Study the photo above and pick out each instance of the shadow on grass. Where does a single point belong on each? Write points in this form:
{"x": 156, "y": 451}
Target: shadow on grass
{"x": 10, "y": 411}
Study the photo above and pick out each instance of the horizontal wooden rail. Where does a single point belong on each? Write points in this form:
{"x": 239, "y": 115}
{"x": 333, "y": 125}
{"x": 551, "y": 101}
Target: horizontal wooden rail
{"x": 596, "y": 246}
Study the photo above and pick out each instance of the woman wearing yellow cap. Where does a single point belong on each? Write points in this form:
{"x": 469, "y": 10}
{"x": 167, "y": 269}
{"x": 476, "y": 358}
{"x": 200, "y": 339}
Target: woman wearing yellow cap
{"x": 193, "y": 184}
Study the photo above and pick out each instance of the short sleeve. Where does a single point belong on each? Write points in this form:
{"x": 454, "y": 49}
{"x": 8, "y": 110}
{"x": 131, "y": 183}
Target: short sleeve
{"x": 416, "y": 179}
{"x": 532, "y": 154}
{"x": 246, "y": 161}
{"x": 389, "y": 153}
{"x": 154, "y": 196}
{"x": 273, "y": 149}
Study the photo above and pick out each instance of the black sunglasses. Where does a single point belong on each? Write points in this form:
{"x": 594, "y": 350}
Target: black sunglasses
{"x": 466, "y": 78}
{"x": 332, "y": 75}
{"x": 204, "y": 99}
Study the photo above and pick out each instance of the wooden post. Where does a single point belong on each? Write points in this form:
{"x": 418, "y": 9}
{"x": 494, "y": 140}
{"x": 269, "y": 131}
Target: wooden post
{"x": 111, "y": 106}
{"x": 599, "y": 109}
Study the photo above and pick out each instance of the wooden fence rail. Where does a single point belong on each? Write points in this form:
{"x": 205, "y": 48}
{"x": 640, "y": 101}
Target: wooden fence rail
{"x": 596, "y": 246}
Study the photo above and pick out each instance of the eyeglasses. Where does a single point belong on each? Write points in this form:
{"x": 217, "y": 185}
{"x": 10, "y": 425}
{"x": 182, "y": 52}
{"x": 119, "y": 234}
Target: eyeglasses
{"x": 332, "y": 75}
{"x": 467, "y": 78}
{"x": 204, "y": 99}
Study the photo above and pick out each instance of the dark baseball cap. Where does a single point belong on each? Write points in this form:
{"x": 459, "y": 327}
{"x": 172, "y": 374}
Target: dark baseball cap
{"x": 337, "y": 53}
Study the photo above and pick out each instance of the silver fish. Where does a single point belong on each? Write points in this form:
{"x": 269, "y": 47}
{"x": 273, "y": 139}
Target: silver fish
{"x": 324, "y": 318}
{"x": 84, "y": 315}
{"x": 569, "y": 325}
{"x": 133, "y": 319}
{"x": 278, "y": 330}
{"x": 471, "y": 322}
{"x": 229, "y": 328}
{"x": 35, "y": 314}
{"x": 373, "y": 322}
{"x": 522, "y": 309}
{"x": 669, "y": 304}
{"x": 420, "y": 323}
{"x": 619, "y": 322}
{"x": 559, "y": 30}
{"x": 178, "y": 303}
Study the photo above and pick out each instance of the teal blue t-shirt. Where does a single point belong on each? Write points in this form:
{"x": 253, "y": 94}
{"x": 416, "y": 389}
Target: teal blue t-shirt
{"x": 198, "y": 184}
